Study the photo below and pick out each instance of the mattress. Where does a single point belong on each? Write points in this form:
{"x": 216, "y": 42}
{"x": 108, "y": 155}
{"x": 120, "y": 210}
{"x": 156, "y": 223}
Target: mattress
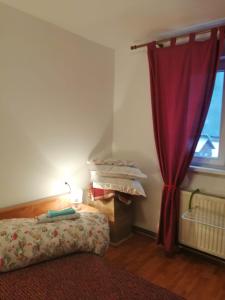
{"x": 24, "y": 241}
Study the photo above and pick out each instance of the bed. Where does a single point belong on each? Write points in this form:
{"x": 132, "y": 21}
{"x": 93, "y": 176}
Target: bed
{"x": 24, "y": 242}
{"x": 80, "y": 276}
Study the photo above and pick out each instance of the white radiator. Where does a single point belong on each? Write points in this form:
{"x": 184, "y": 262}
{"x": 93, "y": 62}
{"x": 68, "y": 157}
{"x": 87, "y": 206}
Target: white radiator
{"x": 203, "y": 226}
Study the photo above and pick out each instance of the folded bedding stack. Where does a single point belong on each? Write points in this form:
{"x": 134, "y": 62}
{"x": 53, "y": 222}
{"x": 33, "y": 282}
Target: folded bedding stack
{"x": 58, "y": 215}
{"x": 111, "y": 176}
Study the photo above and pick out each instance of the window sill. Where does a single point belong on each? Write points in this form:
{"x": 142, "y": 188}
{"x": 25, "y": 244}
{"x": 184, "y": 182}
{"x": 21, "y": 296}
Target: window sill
{"x": 205, "y": 170}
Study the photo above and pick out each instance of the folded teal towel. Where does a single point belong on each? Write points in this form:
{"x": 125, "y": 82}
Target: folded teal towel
{"x": 63, "y": 212}
{"x": 45, "y": 219}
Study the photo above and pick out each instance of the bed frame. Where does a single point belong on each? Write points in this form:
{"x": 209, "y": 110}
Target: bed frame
{"x": 36, "y": 207}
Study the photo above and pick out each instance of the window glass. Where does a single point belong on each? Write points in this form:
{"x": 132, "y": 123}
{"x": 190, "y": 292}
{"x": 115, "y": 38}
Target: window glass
{"x": 209, "y": 142}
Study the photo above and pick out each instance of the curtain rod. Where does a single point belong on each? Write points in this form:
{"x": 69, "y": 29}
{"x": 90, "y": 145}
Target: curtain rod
{"x": 160, "y": 42}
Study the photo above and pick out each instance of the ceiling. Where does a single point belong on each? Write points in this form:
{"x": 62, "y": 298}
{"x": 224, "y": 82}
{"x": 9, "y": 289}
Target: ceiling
{"x": 115, "y": 23}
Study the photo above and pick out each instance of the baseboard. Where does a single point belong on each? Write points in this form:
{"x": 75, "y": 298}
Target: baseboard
{"x": 143, "y": 231}
{"x": 209, "y": 257}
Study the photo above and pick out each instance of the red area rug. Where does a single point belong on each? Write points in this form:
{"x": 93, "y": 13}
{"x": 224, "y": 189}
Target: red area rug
{"x": 78, "y": 276}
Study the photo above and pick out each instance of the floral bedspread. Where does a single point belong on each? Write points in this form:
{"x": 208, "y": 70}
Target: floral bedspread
{"x": 24, "y": 242}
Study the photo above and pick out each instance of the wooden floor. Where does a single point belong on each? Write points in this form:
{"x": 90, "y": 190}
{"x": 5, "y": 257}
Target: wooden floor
{"x": 186, "y": 274}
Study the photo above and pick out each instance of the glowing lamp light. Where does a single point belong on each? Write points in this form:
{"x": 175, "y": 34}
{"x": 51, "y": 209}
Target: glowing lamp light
{"x": 76, "y": 194}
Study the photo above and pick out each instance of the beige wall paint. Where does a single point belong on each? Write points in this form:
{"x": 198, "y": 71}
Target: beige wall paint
{"x": 56, "y": 107}
{"x": 207, "y": 183}
{"x": 133, "y": 135}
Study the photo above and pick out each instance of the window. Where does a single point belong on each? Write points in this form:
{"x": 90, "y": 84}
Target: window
{"x": 210, "y": 149}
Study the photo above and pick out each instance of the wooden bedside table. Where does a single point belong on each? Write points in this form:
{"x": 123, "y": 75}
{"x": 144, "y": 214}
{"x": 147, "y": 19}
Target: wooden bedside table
{"x": 120, "y": 217}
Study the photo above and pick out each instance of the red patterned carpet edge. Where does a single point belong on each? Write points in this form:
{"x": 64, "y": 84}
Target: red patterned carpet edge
{"x": 80, "y": 277}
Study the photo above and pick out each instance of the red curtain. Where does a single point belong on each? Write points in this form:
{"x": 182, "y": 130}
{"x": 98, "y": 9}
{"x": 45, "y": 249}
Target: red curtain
{"x": 182, "y": 79}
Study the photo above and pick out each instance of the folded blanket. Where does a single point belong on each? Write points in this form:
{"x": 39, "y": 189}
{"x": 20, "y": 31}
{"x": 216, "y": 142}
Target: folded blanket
{"x": 100, "y": 194}
{"x": 62, "y": 212}
{"x": 45, "y": 219}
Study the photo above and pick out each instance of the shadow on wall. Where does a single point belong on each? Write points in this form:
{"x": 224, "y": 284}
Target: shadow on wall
{"x": 133, "y": 131}
{"x": 102, "y": 149}
{"x": 207, "y": 183}
{"x": 99, "y": 150}
{"x": 147, "y": 210}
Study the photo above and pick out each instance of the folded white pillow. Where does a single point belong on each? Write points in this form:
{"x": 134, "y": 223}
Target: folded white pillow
{"x": 132, "y": 187}
{"x": 114, "y": 162}
{"x": 116, "y": 171}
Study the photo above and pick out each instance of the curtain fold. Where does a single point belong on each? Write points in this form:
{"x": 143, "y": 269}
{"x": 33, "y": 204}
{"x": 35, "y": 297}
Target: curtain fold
{"x": 182, "y": 79}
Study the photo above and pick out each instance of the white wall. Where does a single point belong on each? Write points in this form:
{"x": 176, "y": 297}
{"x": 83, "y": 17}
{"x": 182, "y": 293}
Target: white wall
{"x": 133, "y": 132}
{"x": 133, "y": 135}
{"x": 56, "y": 111}
{"x": 56, "y": 106}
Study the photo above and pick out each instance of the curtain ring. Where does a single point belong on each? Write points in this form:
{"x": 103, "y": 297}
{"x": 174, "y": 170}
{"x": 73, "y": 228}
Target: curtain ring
{"x": 213, "y": 32}
{"x": 173, "y": 42}
{"x": 192, "y": 37}
{"x": 221, "y": 29}
{"x": 152, "y": 45}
